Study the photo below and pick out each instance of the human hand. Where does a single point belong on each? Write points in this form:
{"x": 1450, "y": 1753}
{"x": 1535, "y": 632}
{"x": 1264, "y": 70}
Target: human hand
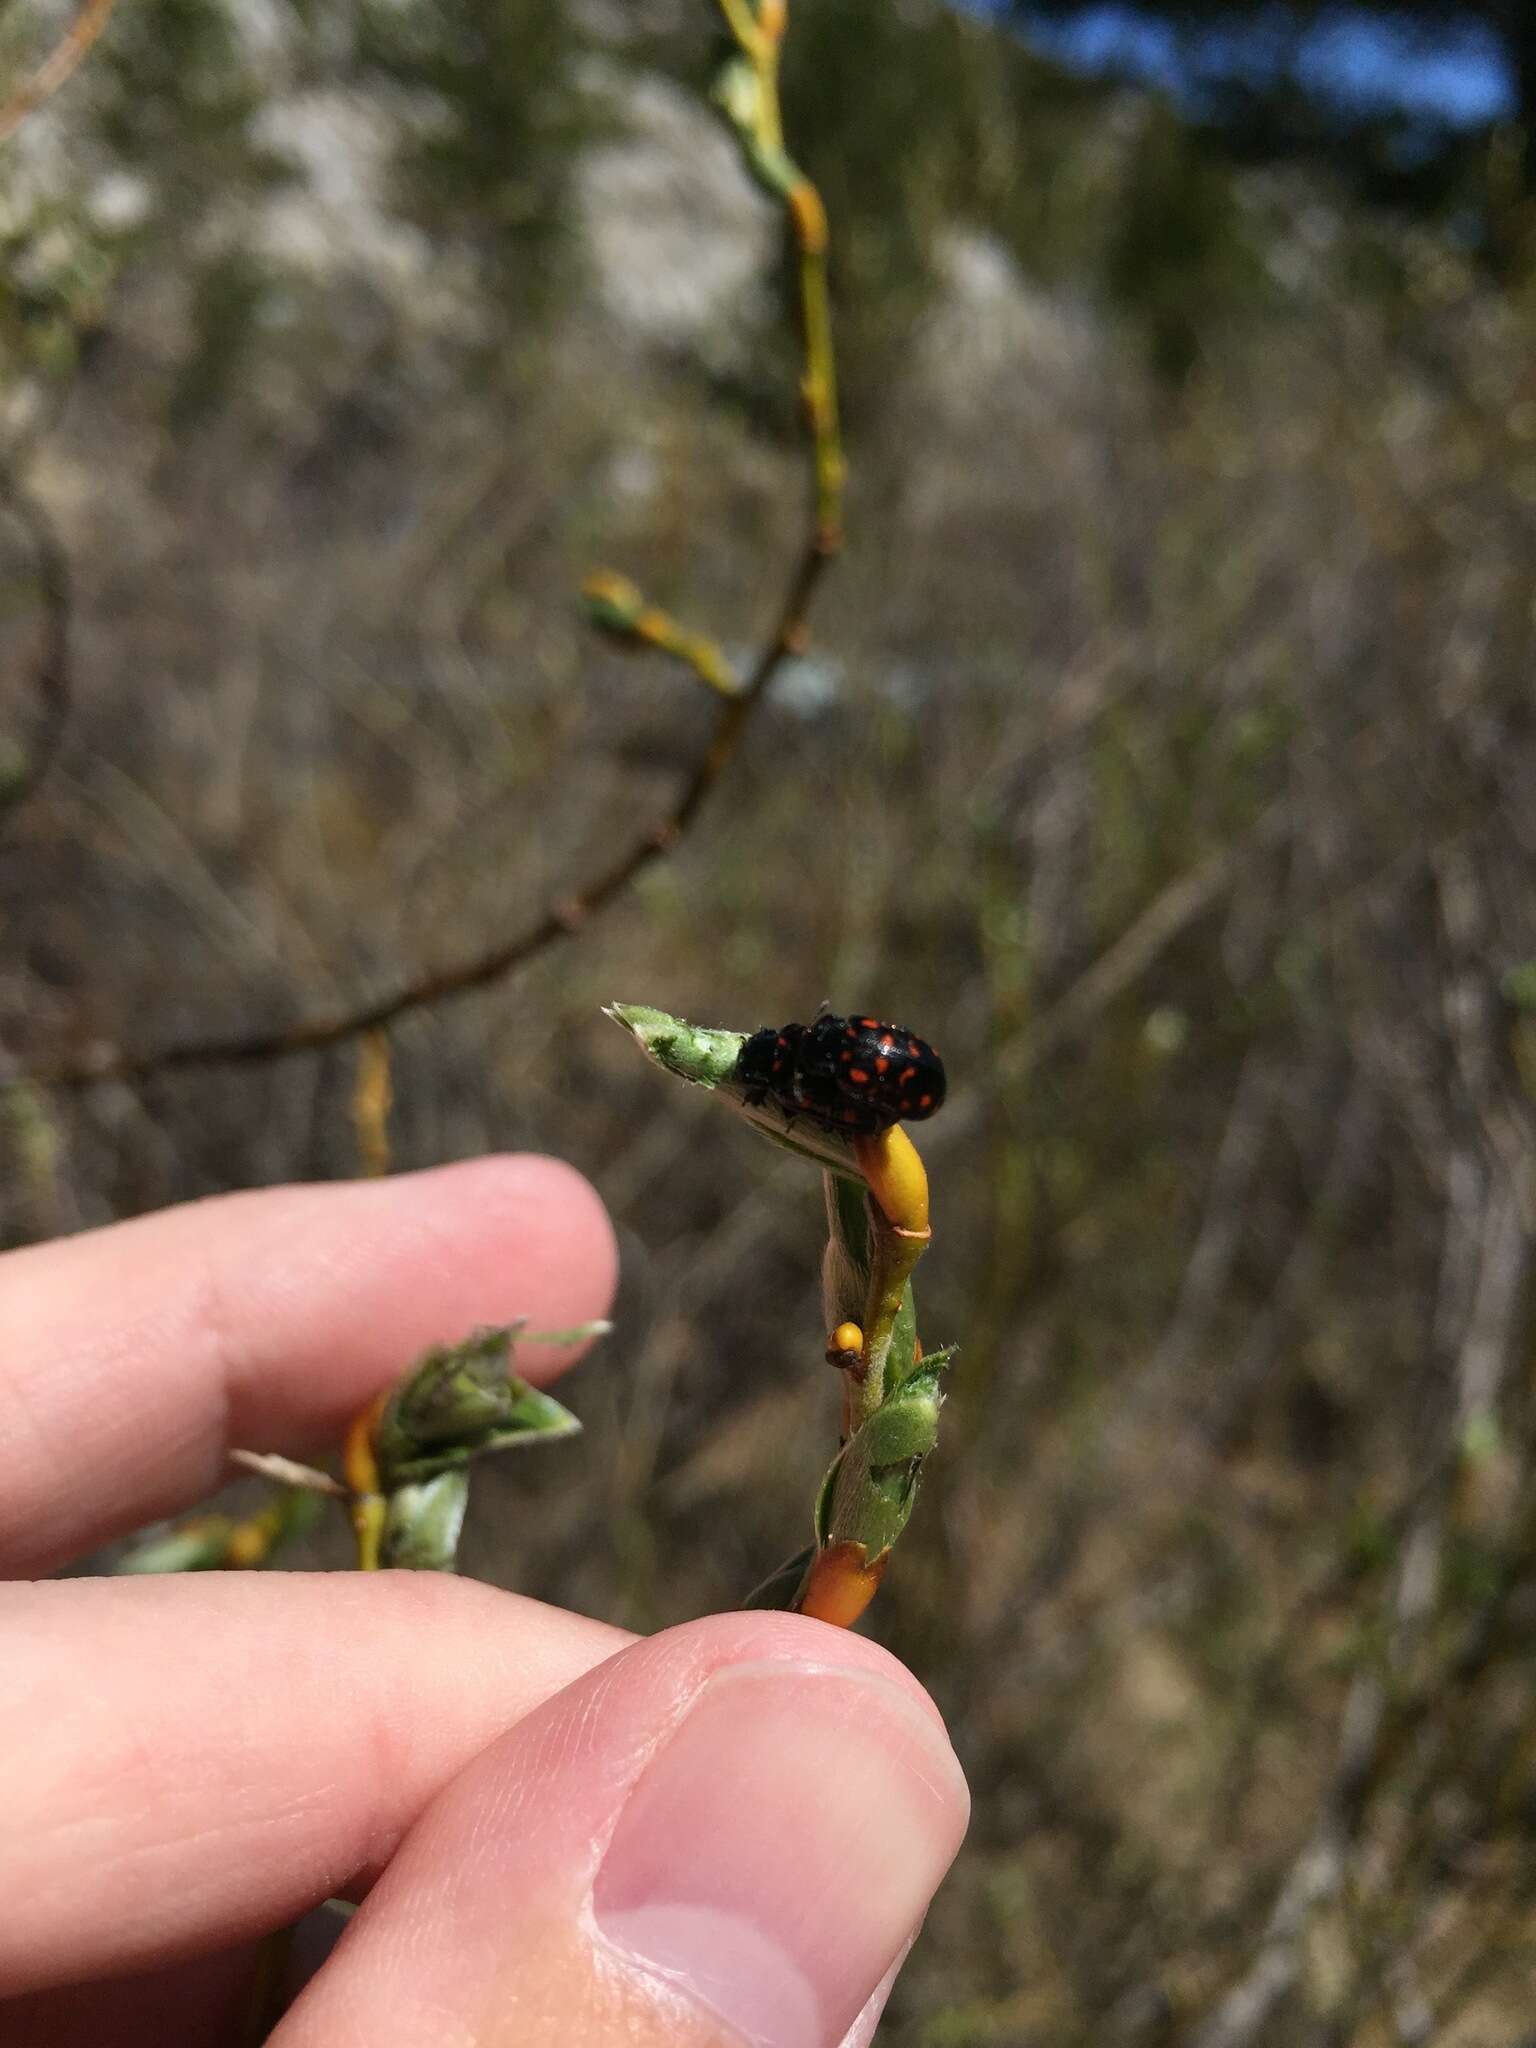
{"x": 725, "y": 1834}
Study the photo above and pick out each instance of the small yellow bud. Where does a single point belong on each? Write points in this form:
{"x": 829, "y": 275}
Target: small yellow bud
{"x": 845, "y": 1346}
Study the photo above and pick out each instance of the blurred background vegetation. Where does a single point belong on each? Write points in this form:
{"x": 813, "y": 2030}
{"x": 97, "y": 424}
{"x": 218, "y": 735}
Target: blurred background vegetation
{"x": 1166, "y": 754}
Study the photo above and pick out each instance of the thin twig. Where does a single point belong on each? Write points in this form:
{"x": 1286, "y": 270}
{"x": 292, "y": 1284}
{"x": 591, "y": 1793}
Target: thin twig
{"x": 569, "y": 914}
{"x": 1169, "y": 915}
{"x": 1356, "y": 1133}
{"x": 67, "y": 55}
{"x": 51, "y": 683}
{"x": 617, "y": 607}
{"x": 1225, "y": 1215}
{"x": 373, "y": 1097}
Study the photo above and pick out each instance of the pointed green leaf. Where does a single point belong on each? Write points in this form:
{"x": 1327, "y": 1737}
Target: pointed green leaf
{"x": 780, "y": 1591}
{"x": 423, "y": 1523}
{"x": 825, "y": 1494}
{"x": 707, "y": 1059}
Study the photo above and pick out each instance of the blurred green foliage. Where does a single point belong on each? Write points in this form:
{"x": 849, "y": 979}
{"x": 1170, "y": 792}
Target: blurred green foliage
{"x": 880, "y": 102}
{"x": 175, "y": 93}
{"x": 497, "y": 113}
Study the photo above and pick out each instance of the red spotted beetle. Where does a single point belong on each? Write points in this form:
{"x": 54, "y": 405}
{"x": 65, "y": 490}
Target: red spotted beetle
{"x": 851, "y": 1074}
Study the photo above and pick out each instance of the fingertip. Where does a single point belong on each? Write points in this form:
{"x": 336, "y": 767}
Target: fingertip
{"x": 730, "y": 1831}
{"x": 555, "y": 1226}
{"x": 139, "y": 1354}
{"x": 720, "y": 1640}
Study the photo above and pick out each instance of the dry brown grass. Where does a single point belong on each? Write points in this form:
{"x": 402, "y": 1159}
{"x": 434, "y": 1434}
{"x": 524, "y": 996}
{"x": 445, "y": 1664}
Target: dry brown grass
{"x": 1176, "y": 781}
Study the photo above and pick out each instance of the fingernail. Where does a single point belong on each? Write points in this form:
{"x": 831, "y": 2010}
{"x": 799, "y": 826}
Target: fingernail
{"x": 862, "y": 2032}
{"x": 778, "y": 1852}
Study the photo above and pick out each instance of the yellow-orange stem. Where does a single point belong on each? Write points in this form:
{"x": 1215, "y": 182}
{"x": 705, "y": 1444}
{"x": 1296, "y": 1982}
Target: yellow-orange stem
{"x": 373, "y": 1097}
{"x": 360, "y": 1466}
{"x": 898, "y": 1180}
{"x": 900, "y": 1235}
{"x": 842, "y": 1582}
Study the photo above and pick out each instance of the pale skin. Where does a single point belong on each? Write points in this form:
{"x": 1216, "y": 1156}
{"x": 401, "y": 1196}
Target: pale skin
{"x": 728, "y": 1833}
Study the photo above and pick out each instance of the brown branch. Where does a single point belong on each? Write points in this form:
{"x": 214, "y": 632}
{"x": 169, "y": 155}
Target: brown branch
{"x": 67, "y": 55}
{"x": 561, "y": 920}
{"x": 568, "y": 914}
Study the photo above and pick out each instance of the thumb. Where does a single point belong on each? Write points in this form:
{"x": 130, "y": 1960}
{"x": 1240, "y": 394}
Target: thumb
{"x": 725, "y": 1834}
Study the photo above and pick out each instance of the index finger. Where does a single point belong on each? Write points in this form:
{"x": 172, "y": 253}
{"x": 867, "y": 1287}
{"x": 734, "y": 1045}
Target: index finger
{"x": 133, "y": 1359}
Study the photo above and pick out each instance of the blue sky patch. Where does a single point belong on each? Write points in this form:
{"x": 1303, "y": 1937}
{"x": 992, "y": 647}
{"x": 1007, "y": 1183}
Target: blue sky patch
{"x": 1456, "y": 72}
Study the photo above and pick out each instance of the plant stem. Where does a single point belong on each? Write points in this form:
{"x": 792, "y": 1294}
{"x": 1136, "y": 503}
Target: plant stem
{"x": 899, "y": 1235}
{"x": 359, "y": 1462}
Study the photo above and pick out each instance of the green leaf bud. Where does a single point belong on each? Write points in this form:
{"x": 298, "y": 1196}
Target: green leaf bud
{"x": 462, "y": 1402}
{"x": 868, "y": 1495}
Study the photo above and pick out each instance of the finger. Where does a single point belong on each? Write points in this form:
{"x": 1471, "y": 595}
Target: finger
{"x": 862, "y": 2032}
{"x": 188, "y": 1761}
{"x": 133, "y": 1359}
{"x": 190, "y": 2004}
{"x": 213, "y": 2001}
{"x": 725, "y": 1834}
